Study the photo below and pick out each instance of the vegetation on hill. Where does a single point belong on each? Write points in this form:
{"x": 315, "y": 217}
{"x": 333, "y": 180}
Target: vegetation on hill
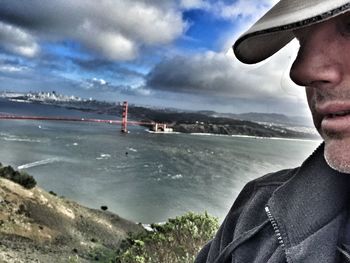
{"x": 177, "y": 241}
{"x": 22, "y": 178}
{"x": 37, "y": 226}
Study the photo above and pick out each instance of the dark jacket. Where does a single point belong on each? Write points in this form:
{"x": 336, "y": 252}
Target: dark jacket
{"x": 295, "y": 215}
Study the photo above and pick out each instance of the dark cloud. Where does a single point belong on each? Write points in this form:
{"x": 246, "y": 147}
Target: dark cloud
{"x": 11, "y": 61}
{"x": 92, "y": 64}
{"x": 216, "y": 77}
{"x": 186, "y": 74}
{"x": 211, "y": 74}
{"x": 104, "y": 66}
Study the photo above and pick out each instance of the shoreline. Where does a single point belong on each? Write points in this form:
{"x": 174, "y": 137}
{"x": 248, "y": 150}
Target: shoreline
{"x": 238, "y": 136}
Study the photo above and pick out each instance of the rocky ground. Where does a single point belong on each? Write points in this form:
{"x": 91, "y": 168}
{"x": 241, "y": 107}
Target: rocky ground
{"x": 36, "y": 226}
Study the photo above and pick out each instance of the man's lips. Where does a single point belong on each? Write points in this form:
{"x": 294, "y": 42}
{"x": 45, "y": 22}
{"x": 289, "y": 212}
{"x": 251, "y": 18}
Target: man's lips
{"x": 335, "y": 116}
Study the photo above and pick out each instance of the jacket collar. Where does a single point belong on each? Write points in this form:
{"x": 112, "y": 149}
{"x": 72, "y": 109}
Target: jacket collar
{"x": 312, "y": 198}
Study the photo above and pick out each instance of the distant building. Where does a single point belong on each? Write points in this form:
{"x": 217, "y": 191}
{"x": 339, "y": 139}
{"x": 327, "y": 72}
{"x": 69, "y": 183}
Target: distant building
{"x": 161, "y": 128}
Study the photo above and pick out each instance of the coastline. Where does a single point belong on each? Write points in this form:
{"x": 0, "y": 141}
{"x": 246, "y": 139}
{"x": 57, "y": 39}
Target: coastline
{"x": 237, "y": 136}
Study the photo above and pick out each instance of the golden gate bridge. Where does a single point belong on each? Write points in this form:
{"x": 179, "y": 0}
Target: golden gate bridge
{"x": 124, "y": 122}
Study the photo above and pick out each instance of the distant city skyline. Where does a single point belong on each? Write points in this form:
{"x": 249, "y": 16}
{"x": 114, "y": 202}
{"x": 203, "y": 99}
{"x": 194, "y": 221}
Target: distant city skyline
{"x": 170, "y": 53}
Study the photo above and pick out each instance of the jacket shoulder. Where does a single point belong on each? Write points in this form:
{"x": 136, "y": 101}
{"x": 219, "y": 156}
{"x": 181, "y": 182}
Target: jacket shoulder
{"x": 275, "y": 178}
{"x": 246, "y": 213}
{"x": 248, "y": 210}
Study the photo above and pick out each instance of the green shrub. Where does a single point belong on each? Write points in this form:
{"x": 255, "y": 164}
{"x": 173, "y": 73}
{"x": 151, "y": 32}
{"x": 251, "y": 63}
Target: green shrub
{"x": 103, "y": 254}
{"x": 52, "y": 193}
{"x": 178, "y": 240}
{"x": 21, "y": 178}
{"x": 73, "y": 259}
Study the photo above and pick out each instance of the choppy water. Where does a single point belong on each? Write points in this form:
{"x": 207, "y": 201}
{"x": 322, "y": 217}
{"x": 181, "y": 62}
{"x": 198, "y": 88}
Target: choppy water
{"x": 161, "y": 176}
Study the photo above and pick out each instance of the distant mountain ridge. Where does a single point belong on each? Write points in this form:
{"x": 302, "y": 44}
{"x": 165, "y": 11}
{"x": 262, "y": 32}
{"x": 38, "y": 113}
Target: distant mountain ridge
{"x": 276, "y": 118}
{"x": 252, "y": 123}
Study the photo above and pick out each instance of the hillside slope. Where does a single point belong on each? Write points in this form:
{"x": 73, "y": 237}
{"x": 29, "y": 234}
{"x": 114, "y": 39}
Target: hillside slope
{"x": 36, "y": 226}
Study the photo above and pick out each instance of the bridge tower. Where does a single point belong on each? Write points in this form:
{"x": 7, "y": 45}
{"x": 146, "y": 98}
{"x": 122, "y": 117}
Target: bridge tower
{"x": 125, "y": 117}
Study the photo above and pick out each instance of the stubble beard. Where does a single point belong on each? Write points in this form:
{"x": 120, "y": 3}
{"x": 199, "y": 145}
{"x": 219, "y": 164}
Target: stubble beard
{"x": 337, "y": 146}
{"x": 337, "y": 154}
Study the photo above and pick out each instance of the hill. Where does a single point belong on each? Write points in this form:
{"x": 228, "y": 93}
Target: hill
{"x": 36, "y": 226}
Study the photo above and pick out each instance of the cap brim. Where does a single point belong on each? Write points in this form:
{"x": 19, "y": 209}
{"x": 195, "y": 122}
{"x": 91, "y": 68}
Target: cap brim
{"x": 254, "y": 49}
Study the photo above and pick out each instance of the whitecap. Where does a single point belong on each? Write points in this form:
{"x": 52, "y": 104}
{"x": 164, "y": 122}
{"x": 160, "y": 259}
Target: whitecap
{"x": 37, "y": 163}
{"x": 19, "y": 139}
{"x": 103, "y": 156}
{"x": 177, "y": 176}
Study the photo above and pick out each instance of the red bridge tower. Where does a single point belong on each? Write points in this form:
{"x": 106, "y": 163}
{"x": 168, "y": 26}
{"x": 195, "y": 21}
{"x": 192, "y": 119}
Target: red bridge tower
{"x": 125, "y": 117}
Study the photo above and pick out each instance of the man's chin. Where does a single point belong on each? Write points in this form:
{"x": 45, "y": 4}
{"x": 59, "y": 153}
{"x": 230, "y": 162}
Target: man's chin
{"x": 337, "y": 154}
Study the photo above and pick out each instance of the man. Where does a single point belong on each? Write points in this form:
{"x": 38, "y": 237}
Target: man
{"x": 299, "y": 215}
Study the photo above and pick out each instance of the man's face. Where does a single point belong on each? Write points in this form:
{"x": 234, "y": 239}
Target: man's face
{"x": 323, "y": 67}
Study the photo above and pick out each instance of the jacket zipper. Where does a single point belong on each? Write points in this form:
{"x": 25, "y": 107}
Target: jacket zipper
{"x": 344, "y": 253}
{"x": 275, "y": 227}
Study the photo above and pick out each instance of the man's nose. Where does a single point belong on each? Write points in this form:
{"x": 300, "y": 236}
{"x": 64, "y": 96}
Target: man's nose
{"x": 317, "y": 63}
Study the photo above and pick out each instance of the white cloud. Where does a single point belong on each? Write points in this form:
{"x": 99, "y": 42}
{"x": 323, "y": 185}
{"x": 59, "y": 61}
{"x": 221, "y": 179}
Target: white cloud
{"x": 18, "y": 41}
{"x": 251, "y": 9}
{"x": 12, "y": 69}
{"x": 95, "y": 84}
{"x": 115, "y": 29}
{"x": 101, "y": 82}
{"x": 111, "y": 45}
{"x": 194, "y": 4}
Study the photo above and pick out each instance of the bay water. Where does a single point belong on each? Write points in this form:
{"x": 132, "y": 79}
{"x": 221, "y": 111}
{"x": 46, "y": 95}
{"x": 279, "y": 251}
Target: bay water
{"x": 141, "y": 176}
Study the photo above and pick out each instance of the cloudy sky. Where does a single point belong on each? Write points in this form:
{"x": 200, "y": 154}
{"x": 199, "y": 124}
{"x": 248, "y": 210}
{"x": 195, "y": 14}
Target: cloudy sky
{"x": 173, "y": 53}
